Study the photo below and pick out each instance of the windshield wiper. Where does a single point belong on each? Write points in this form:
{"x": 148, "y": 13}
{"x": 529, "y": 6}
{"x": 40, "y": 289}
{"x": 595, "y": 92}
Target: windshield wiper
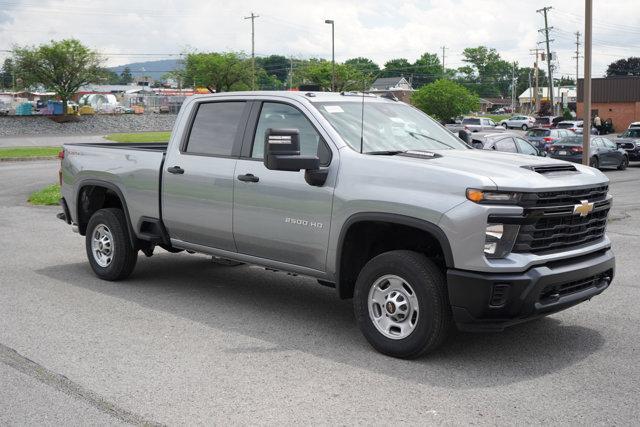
{"x": 414, "y": 134}
{"x": 385, "y": 152}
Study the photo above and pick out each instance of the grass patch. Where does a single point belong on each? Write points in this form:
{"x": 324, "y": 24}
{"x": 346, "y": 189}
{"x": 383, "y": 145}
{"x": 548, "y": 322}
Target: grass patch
{"x": 49, "y": 195}
{"x": 21, "y": 152}
{"x": 140, "y": 137}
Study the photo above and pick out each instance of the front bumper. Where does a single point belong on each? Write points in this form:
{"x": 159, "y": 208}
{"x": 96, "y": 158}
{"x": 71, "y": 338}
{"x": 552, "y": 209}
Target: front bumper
{"x": 491, "y": 302}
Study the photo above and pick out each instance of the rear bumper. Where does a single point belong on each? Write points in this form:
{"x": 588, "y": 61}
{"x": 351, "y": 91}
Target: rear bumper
{"x": 492, "y": 302}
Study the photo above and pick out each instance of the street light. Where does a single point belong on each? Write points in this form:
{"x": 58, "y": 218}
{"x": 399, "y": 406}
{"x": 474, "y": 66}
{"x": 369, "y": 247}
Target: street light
{"x": 333, "y": 54}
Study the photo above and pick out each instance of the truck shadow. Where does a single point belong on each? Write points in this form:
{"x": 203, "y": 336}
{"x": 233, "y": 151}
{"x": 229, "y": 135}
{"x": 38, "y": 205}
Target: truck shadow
{"x": 295, "y": 314}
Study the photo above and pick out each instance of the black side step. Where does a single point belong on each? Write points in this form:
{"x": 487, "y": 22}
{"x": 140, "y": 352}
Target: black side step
{"x": 152, "y": 230}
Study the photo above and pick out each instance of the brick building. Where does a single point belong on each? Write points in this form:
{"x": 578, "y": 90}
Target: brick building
{"x": 616, "y": 98}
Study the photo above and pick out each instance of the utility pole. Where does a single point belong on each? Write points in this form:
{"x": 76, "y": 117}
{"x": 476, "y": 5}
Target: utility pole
{"x": 513, "y": 87}
{"x": 443, "y": 69}
{"x": 290, "y": 72}
{"x": 586, "y": 126}
{"x": 535, "y": 76}
{"x": 546, "y": 30}
{"x": 577, "y": 57}
{"x": 253, "y": 49}
{"x": 530, "y": 95}
{"x": 333, "y": 54}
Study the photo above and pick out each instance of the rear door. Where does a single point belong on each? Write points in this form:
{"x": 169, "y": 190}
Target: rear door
{"x": 198, "y": 179}
{"x": 279, "y": 216}
{"x": 506, "y": 144}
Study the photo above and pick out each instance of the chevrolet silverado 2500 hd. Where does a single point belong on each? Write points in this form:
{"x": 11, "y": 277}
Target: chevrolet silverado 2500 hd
{"x": 365, "y": 194}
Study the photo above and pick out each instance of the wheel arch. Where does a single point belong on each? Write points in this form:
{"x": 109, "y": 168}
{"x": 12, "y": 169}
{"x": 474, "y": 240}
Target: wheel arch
{"x": 345, "y": 281}
{"x": 84, "y": 210}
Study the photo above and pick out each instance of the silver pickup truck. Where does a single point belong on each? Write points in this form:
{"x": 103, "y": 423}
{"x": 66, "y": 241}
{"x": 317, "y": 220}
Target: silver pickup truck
{"x": 367, "y": 195}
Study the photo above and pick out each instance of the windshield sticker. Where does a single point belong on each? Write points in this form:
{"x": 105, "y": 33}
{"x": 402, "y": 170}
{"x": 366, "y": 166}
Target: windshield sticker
{"x": 333, "y": 109}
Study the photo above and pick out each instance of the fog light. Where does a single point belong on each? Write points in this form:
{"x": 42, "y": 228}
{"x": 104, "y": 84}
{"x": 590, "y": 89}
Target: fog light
{"x": 499, "y": 239}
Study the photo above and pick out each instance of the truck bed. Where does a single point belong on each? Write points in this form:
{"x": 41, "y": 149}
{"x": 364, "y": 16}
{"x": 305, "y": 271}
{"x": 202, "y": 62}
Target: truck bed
{"x": 132, "y": 169}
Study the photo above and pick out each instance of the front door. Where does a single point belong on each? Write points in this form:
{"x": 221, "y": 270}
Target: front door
{"x": 198, "y": 179}
{"x": 277, "y": 215}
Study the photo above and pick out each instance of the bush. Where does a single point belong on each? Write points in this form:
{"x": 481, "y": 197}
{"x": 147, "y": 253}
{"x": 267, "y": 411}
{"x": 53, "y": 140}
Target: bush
{"x": 444, "y": 99}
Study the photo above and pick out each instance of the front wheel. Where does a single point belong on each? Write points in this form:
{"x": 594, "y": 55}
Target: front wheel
{"x": 401, "y": 304}
{"x": 504, "y": 125}
{"x": 624, "y": 163}
{"x": 109, "y": 249}
{"x": 594, "y": 163}
{"x": 525, "y": 127}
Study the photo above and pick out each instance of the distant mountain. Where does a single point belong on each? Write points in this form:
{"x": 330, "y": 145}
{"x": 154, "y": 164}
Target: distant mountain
{"x": 153, "y": 69}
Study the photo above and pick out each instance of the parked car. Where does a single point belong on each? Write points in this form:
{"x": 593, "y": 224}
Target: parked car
{"x": 629, "y": 140}
{"x": 4, "y": 109}
{"x": 548, "y": 121}
{"x": 634, "y": 125}
{"x": 505, "y": 141}
{"x": 473, "y": 124}
{"x": 420, "y": 230}
{"x": 576, "y": 126}
{"x": 518, "y": 121}
{"x": 603, "y": 152}
{"x": 542, "y": 138}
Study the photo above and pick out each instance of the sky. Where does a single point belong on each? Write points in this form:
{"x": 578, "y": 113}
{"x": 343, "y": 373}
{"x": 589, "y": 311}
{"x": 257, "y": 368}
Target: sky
{"x": 140, "y": 30}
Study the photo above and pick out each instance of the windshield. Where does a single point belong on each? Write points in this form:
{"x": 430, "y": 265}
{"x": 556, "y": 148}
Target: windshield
{"x": 631, "y": 133}
{"x": 388, "y": 127}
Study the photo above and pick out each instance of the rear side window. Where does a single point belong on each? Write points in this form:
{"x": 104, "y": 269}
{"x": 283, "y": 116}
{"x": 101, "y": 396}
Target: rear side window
{"x": 507, "y": 145}
{"x": 215, "y": 128}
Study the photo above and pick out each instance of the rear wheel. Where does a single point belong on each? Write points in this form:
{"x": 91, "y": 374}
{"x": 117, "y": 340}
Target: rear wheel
{"x": 525, "y": 127}
{"x": 594, "y": 163}
{"x": 624, "y": 163}
{"x": 401, "y": 304}
{"x": 108, "y": 245}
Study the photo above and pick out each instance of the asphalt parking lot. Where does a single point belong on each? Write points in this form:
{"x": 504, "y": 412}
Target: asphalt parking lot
{"x": 184, "y": 341}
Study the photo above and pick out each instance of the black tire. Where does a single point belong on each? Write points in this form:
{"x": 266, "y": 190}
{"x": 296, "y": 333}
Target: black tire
{"x": 525, "y": 127}
{"x": 506, "y": 126}
{"x": 124, "y": 256}
{"x": 594, "y": 163}
{"x": 625, "y": 162}
{"x": 434, "y": 322}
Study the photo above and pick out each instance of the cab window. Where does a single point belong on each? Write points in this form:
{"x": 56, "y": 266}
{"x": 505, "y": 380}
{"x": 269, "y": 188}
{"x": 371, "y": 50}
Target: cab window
{"x": 275, "y": 115}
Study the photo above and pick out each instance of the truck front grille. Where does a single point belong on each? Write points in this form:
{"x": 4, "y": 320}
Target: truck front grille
{"x": 550, "y": 224}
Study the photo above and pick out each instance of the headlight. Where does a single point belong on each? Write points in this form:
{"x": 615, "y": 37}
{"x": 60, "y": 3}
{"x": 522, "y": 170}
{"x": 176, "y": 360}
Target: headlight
{"x": 499, "y": 239}
{"x": 495, "y": 197}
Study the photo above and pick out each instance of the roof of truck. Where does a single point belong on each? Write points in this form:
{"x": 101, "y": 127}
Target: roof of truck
{"x": 310, "y": 96}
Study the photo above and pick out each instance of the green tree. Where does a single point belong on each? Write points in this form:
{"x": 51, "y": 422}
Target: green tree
{"x": 444, "y": 99}
{"x": 396, "y": 68}
{"x": 125, "y": 76}
{"x": 426, "y": 69}
{"x": 566, "y": 81}
{"x": 62, "y": 66}
{"x": 221, "y": 71}
{"x": 364, "y": 65}
{"x": 624, "y": 67}
{"x": 6, "y": 74}
{"x": 275, "y": 65}
{"x": 490, "y": 75}
{"x": 348, "y": 78}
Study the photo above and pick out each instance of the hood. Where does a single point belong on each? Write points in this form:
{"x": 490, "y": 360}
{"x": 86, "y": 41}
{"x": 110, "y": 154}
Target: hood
{"x": 513, "y": 172}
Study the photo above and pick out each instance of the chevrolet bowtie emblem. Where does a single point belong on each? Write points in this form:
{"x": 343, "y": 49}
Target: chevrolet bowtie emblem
{"x": 584, "y": 208}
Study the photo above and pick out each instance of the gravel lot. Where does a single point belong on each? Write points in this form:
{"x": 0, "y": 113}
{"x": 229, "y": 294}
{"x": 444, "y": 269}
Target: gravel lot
{"x": 88, "y": 125}
{"x": 187, "y": 342}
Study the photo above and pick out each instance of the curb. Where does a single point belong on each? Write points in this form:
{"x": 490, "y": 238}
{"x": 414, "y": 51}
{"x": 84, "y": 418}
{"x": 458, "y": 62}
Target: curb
{"x": 27, "y": 159}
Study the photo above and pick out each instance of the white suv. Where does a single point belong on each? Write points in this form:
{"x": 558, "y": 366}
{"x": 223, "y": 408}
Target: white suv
{"x": 522, "y": 122}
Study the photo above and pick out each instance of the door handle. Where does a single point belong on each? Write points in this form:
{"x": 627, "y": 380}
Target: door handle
{"x": 176, "y": 170}
{"x": 249, "y": 177}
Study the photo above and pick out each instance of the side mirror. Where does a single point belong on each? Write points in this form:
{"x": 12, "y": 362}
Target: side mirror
{"x": 282, "y": 151}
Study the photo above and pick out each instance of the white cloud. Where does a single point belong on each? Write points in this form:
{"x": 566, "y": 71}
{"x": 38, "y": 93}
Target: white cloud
{"x": 377, "y": 29}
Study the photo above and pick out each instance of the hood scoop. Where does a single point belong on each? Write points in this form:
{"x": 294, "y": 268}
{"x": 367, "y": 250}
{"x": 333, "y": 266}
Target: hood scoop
{"x": 544, "y": 169}
{"x": 420, "y": 154}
